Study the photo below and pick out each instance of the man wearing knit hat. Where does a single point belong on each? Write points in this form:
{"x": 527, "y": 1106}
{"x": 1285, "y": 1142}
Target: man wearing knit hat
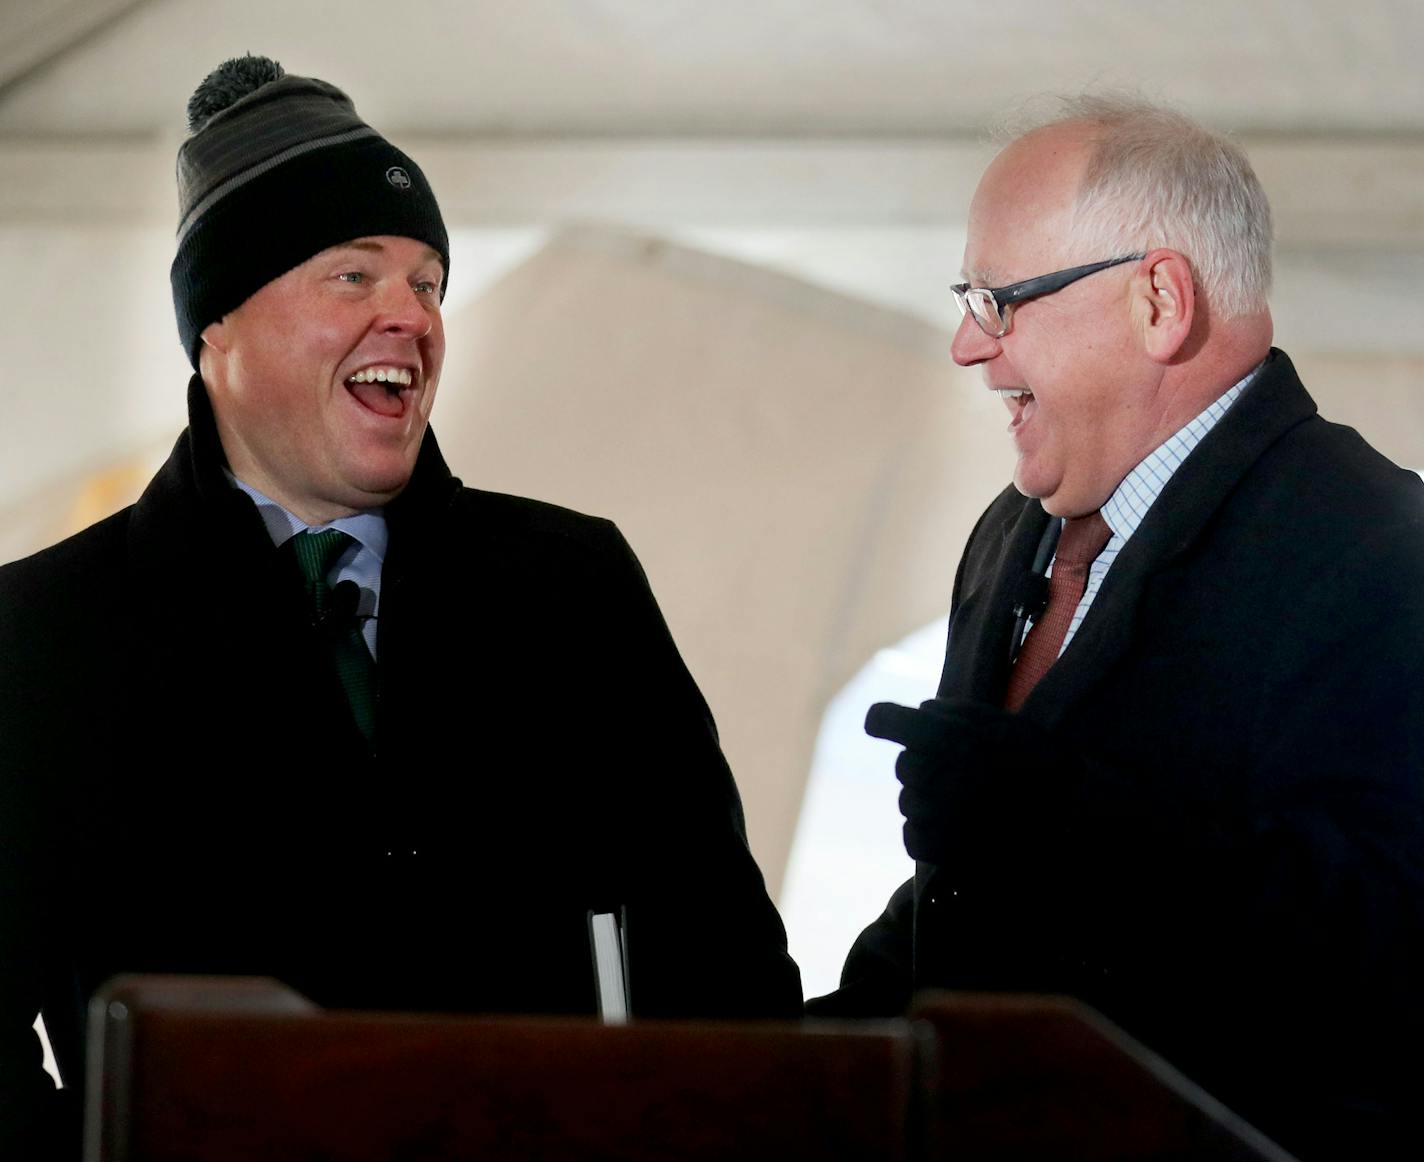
{"x": 311, "y": 708}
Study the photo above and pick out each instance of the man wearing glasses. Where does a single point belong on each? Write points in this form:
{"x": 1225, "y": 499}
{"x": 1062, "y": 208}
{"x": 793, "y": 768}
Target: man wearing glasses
{"x": 1183, "y": 777}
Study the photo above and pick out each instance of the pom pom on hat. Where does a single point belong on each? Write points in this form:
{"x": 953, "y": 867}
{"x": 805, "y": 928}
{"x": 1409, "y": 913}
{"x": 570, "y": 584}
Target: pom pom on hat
{"x": 230, "y": 82}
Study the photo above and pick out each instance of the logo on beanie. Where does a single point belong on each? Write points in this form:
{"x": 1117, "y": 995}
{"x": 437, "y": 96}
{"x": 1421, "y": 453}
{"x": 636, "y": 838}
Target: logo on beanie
{"x": 398, "y": 178}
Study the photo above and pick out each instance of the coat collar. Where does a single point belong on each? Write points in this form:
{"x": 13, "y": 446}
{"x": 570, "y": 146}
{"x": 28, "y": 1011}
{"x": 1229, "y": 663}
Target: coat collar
{"x": 205, "y": 569}
{"x": 195, "y": 542}
{"x": 1271, "y": 406}
{"x": 191, "y": 508}
{"x": 201, "y": 557}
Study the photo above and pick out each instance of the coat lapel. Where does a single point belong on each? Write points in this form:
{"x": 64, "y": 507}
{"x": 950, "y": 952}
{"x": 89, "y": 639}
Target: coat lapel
{"x": 1269, "y": 408}
{"x": 205, "y": 567}
{"x": 976, "y": 660}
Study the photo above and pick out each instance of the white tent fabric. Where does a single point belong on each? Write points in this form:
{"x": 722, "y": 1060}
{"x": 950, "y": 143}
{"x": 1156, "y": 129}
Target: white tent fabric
{"x": 796, "y": 469}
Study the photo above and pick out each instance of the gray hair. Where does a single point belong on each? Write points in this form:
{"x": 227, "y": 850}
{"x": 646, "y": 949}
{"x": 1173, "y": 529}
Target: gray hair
{"x": 1158, "y": 178}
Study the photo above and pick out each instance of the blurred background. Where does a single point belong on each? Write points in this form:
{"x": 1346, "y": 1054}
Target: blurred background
{"x": 700, "y": 260}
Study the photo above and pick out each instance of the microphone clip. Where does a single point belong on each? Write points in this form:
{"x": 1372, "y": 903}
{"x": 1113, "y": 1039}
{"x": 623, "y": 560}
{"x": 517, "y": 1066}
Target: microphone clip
{"x": 340, "y": 617}
{"x": 1031, "y": 596}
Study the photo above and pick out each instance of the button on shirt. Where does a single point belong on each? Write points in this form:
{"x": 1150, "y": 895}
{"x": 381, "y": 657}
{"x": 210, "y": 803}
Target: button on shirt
{"x": 1126, "y": 508}
{"x": 361, "y": 562}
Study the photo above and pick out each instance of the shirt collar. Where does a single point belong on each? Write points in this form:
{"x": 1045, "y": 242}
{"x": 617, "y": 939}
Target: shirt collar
{"x": 1126, "y": 508}
{"x": 369, "y": 527}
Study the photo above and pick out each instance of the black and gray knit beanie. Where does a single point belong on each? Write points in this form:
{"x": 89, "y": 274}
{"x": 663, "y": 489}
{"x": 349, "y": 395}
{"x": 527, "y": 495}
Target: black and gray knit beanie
{"x": 277, "y": 168}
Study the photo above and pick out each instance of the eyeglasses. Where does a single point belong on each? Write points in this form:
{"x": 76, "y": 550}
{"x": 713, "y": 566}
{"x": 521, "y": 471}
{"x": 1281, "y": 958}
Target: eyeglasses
{"x": 990, "y": 306}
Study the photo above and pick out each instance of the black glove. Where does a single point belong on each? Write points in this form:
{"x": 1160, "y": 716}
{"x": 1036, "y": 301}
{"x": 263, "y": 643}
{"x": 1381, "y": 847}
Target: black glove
{"x": 976, "y": 779}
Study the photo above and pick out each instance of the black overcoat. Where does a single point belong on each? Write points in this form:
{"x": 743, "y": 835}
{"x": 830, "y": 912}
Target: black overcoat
{"x": 182, "y": 789}
{"x": 1230, "y": 859}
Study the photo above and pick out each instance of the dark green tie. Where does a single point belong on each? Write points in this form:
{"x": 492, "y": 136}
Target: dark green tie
{"x": 315, "y": 553}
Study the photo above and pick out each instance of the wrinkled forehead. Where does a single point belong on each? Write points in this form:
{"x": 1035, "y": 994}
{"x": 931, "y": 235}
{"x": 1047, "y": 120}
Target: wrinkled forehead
{"x": 1021, "y": 216}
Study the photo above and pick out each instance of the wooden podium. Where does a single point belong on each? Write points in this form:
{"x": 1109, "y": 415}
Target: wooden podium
{"x": 222, "y": 1069}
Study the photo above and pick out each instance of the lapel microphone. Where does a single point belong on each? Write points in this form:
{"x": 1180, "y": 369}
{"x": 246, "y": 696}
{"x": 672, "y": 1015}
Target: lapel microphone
{"x": 340, "y": 616}
{"x": 1031, "y": 593}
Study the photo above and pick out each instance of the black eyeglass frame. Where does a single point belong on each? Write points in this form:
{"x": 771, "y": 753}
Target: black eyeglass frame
{"x": 1004, "y": 297}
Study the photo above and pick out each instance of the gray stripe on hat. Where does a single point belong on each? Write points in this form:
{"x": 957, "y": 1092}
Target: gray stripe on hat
{"x": 232, "y": 147}
{"x": 239, "y": 180}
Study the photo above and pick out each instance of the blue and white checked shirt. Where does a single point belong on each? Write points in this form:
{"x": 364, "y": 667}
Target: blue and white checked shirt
{"x": 1125, "y": 509}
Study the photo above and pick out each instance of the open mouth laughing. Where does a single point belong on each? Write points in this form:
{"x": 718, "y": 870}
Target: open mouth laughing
{"x": 1019, "y": 401}
{"x": 386, "y": 389}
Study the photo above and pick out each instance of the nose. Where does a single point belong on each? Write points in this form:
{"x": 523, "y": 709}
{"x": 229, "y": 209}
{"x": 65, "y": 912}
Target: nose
{"x": 404, "y": 312}
{"x": 971, "y": 345}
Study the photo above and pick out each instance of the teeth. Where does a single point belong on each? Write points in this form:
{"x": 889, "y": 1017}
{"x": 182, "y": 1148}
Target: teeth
{"x": 1012, "y": 392}
{"x": 396, "y": 376}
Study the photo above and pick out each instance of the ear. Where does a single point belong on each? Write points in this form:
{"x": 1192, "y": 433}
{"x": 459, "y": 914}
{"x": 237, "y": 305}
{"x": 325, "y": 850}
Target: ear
{"x": 215, "y": 336}
{"x": 1164, "y": 303}
{"x": 213, "y": 345}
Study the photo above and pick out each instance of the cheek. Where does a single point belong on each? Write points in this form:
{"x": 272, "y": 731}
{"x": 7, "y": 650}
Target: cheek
{"x": 434, "y": 346}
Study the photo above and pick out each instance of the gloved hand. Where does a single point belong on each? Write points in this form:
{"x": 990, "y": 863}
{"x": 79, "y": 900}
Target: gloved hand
{"x": 974, "y": 777}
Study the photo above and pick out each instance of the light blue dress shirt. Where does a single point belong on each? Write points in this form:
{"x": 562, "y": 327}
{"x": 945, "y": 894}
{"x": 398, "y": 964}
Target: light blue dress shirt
{"x": 360, "y": 562}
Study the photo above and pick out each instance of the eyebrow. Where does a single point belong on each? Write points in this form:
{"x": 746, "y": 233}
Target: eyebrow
{"x": 430, "y": 254}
